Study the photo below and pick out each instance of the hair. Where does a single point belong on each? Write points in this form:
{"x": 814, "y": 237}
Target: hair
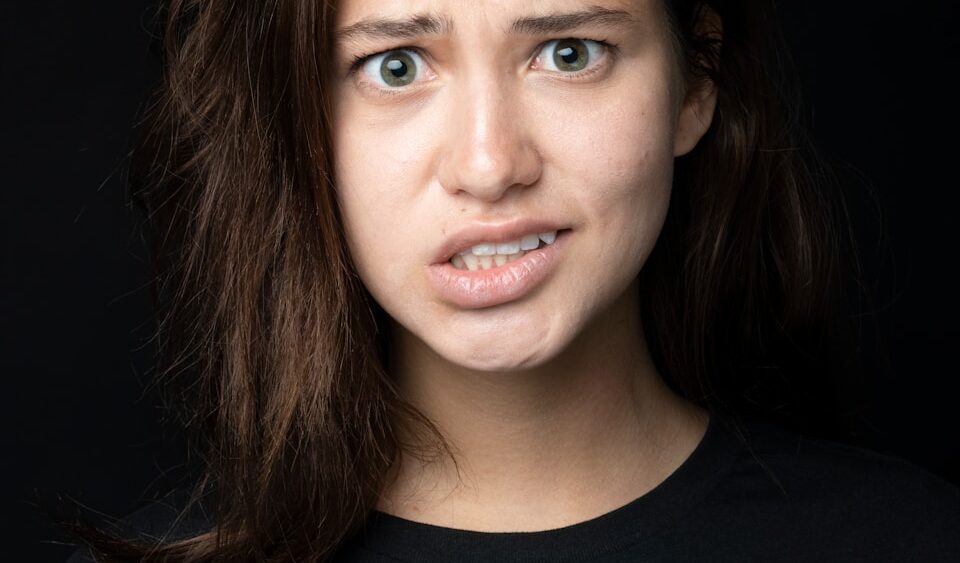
{"x": 272, "y": 351}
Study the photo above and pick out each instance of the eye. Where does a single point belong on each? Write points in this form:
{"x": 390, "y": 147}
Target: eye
{"x": 572, "y": 55}
{"x": 392, "y": 69}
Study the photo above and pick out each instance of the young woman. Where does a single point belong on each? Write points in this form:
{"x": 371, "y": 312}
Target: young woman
{"x": 495, "y": 280}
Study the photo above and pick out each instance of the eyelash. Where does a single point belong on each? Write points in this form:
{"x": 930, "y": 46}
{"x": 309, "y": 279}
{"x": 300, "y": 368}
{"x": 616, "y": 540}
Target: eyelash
{"x": 357, "y": 62}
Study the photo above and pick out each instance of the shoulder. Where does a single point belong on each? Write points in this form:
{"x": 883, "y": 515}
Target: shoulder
{"x": 821, "y": 467}
{"x": 851, "y": 499}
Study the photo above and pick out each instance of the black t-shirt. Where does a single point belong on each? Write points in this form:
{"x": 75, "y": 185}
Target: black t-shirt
{"x": 769, "y": 496}
{"x": 751, "y": 492}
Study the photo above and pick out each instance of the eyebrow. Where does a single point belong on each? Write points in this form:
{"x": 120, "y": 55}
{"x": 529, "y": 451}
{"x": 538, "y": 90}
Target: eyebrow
{"x": 383, "y": 28}
{"x": 429, "y": 24}
{"x": 559, "y": 23}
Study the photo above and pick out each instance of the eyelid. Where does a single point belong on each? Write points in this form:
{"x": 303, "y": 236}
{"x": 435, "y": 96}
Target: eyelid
{"x": 360, "y": 62}
{"x": 595, "y": 61}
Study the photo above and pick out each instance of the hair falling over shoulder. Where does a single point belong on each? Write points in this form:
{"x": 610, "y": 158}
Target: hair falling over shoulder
{"x": 272, "y": 351}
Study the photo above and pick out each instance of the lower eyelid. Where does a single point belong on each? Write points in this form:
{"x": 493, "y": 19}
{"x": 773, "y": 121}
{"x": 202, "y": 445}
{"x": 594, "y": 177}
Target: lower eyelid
{"x": 386, "y": 92}
{"x": 601, "y": 66}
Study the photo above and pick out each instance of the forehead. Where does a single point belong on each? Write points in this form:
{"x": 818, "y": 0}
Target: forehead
{"x": 356, "y": 18}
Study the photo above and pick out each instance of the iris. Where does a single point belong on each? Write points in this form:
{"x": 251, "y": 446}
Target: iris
{"x": 571, "y": 55}
{"x": 398, "y": 69}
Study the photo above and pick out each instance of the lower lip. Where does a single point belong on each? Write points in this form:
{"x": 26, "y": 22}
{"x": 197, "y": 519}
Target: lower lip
{"x": 499, "y": 285}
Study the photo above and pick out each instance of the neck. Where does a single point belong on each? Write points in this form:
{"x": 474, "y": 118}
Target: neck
{"x": 545, "y": 447}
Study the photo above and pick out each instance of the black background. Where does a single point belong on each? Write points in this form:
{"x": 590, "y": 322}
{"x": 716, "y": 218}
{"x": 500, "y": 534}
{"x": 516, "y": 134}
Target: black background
{"x": 75, "y": 318}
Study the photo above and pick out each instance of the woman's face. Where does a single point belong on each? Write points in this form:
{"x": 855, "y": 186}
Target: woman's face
{"x": 477, "y": 125}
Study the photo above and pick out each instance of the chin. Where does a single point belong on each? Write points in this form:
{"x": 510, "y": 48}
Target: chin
{"x": 524, "y": 350}
{"x": 500, "y": 362}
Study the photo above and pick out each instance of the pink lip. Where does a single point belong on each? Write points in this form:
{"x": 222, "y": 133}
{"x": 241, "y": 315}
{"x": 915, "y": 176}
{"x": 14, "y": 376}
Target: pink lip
{"x": 502, "y": 284}
{"x": 475, "y": 234}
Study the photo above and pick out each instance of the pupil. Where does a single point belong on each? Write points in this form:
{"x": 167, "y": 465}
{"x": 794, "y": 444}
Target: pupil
{"x": 397, "y": 68}
{"x": 568, "y": 54}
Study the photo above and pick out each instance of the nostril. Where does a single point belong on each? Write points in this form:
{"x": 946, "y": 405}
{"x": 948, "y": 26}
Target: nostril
{"x": 488, "y": 168}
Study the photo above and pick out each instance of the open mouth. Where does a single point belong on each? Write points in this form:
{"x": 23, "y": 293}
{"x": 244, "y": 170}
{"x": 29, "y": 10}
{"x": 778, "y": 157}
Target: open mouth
{"x": 490, "y": 274}
{"x": 486, "y": 256}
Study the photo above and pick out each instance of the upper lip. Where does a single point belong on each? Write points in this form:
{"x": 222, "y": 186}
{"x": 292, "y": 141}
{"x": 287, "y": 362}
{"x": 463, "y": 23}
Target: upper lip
{"x": 501, "y": 232}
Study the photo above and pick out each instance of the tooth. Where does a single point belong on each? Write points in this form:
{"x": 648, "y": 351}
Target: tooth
{"x": 486, "y": 262}
{"x": 471, "y": 261}
{"x": 458, "y": 262}
{"x": 511, "y": 247}
{"x": 529, "y": 242}
{"x": 516, "y": 256}
{"x": 484, "y": 250}
{"x": 548, "y": 237}
{"x": 500, "y": 259}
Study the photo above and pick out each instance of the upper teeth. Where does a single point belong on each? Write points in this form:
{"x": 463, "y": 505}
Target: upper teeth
{"x": 528, "y": 242}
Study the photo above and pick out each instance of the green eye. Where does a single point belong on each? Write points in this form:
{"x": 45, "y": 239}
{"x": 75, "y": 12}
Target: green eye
{"x": 571, "y": 55}
{"x": 398, "y": 69}
{"x": 574, "y": 56}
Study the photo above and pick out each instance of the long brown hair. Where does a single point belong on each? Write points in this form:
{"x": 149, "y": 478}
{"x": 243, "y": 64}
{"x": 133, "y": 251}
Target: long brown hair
{"x": 272, "y": 350}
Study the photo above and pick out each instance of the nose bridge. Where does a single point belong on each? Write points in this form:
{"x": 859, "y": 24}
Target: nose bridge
{"x": 489, "y": 149}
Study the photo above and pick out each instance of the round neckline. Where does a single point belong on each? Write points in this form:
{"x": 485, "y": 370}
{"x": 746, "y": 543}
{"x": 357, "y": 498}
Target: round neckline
{"x": 408, "y": 540}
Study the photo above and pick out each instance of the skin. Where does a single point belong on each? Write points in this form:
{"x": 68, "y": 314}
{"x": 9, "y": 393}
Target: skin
{"x": 554, "y": 410}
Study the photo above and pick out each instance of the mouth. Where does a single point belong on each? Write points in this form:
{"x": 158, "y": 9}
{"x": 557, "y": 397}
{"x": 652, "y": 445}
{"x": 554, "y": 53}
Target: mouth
{"x": 488, "y": 255}
{"x": 486, "y": 274}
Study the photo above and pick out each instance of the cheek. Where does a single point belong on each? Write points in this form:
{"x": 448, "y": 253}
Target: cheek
{"x": 380, "y": 173}
{"x": 618, "y": 153}
{"x": 373, "y": 168}
{"x": 363, "y": 197}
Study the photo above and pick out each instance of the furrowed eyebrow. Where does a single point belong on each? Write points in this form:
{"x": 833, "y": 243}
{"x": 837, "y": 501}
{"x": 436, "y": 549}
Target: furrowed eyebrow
{"x": 429, "y": 24}
{"x": 559, "y": 23}
{"x": 407, "y": 28}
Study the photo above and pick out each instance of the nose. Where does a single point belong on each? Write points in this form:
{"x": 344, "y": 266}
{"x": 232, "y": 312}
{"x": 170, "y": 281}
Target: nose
{"x": 489, "y": 149}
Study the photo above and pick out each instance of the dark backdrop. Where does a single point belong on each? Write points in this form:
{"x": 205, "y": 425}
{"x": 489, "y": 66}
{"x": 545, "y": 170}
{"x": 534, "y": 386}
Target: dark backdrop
{"x": 75, "y": 317}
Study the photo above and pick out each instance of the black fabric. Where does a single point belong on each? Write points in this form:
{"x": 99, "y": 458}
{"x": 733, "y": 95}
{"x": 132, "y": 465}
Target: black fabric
{"x": 749, "y": 492}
